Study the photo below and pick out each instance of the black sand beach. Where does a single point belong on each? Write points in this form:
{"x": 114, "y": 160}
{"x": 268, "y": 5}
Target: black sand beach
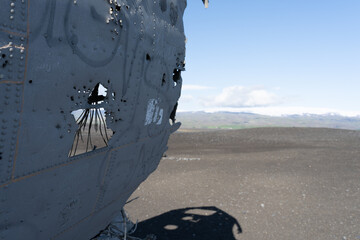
{"x": 265, "y": 183}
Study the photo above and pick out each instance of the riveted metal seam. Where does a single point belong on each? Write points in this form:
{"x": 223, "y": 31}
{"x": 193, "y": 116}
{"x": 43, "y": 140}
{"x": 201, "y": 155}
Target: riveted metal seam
{"x": 22, "y": 102}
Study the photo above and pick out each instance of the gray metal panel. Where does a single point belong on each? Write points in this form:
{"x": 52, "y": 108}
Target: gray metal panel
{"x": 53, "y": 54}
{"x": 51, "y": 201}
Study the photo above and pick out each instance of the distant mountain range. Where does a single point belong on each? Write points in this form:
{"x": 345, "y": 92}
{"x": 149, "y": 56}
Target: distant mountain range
{"x": 240, "y": 120}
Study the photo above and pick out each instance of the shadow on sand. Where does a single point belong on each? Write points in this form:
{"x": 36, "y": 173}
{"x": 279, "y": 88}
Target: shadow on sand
{"x": 198, "y": 223}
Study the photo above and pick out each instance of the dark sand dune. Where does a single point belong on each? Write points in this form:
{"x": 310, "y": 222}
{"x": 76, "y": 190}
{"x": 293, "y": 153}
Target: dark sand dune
{"x": 266, "y": 183}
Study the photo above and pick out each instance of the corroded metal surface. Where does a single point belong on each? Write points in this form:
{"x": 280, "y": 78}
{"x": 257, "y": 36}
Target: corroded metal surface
{"x": 53, "y": 55}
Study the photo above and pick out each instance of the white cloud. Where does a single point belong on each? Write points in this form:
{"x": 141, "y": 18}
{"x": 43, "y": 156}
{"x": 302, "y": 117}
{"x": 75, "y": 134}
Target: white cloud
{"x": 238, "y": 96}
{"x": 195, "y": 87}
{"x": 187, "y": 98}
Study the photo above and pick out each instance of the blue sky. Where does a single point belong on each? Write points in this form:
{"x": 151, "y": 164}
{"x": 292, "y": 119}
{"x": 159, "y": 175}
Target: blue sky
{"x": 274, "y": 57}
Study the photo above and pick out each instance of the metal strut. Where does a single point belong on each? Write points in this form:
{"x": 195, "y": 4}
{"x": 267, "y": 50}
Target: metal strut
{"x": 120, "y": 229}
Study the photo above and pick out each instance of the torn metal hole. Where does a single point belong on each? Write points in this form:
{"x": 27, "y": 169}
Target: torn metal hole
{"x": 92, "y": 132}
{"x": 176, "y": 76}
{"x": 97, "y": 95}
{"x": 173, "y": 114}
{"x": 5, "y": 63}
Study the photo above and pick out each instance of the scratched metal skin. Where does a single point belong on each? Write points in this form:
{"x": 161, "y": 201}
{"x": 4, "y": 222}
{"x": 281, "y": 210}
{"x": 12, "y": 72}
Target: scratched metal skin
{"x": 52, "y": 54}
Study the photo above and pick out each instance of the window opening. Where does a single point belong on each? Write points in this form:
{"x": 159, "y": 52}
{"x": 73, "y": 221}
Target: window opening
{"x": 92, "y": 132}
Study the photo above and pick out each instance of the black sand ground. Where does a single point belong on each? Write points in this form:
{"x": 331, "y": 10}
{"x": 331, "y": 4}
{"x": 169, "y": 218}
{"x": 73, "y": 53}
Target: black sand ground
{"x": 269, "y": 183}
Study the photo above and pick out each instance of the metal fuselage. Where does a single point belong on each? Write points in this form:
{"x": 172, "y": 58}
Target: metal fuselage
{"x": 53, "y": 54}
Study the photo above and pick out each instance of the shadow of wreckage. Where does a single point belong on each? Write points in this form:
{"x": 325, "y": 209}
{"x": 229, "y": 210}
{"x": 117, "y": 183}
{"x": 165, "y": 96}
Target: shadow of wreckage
{"x": 197, "y": 223}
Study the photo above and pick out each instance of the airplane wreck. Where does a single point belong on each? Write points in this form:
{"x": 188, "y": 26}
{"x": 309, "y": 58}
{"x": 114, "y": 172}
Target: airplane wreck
{"x": 87, "y": 90}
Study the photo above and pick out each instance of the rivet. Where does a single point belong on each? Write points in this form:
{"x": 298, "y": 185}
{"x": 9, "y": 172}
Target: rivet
{"x": 12, "y": 4}
{"x": 11, "y": 18}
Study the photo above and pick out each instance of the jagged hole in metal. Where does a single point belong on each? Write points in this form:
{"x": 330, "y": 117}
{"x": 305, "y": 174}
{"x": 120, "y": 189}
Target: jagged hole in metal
{"x": 92, "y": 132}
{"x": 176, "y": 76}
